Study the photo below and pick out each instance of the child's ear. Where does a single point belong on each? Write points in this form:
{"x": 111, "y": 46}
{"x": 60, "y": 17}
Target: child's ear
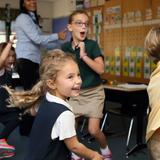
{"x": 69, "y": 26}
{"x": 51, "y": 84}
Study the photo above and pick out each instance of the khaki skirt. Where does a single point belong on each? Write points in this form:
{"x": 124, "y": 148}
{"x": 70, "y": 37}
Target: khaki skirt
{"x": 89, "y": 103}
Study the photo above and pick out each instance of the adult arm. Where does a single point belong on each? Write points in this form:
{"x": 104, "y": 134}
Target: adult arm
{"x": 33, "y": 32}
{"x": 53, "y": 45}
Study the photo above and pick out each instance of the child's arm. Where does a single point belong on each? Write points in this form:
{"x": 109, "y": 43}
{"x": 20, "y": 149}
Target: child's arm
{"x": 75, "y": 146}
{"x": 97, "y": 64}
{"x": 5, "y": 52}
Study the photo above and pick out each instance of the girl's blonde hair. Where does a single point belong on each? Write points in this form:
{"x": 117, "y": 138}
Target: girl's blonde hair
{"x": 51, "y": 63}
{"x": 152, "y": 43}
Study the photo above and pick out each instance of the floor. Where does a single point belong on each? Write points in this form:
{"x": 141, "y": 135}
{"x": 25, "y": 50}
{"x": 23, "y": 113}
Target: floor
{"x": 115, "y": 132}
{"x": 117, "y": 136}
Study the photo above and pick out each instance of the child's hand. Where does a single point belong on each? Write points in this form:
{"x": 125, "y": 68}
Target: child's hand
{"x": 12, "y": 39}
{"x": 97, "y": 156}
{"x": 81, "y": 45}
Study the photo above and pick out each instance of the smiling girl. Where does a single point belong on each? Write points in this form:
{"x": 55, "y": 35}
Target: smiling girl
{"x": 53, "y": 133}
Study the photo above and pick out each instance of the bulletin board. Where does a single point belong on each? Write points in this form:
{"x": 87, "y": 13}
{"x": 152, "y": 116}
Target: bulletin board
{"x": 126, "y": 24}
{"x": 112, "y": 39}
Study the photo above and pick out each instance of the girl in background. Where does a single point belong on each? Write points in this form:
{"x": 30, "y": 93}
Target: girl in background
{"x": 90, "y": 102}
{"x": 53, "y": 133}
{"x": 9, "y": 117}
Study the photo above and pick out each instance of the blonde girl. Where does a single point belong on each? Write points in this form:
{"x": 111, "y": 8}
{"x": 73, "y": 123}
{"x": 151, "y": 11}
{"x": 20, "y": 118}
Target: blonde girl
{"x": 53, "y": 133}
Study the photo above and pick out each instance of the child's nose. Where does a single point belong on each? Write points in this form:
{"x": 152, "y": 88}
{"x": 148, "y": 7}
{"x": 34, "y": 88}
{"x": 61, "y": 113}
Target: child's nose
{"x": 79, "y": 80}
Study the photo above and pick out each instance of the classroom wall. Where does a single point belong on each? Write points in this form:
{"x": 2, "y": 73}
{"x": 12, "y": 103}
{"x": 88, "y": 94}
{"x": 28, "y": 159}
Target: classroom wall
{"x": 125, "y": 26}
{"x": 14, "y": 3}
{"x": 62, "y": 8}
{"x": 48, "y": 9}
{"x": 45, "y": 9}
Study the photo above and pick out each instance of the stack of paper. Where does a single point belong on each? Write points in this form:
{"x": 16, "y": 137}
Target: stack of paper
{"x": 130, "y": 86}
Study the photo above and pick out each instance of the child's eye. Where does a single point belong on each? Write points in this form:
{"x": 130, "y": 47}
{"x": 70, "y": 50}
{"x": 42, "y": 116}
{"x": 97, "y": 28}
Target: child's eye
{"x": 70, "y": 77}
{"x": 80, "y": 24}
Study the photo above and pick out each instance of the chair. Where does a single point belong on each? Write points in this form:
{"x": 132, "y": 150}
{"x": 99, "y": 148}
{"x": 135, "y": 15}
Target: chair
{"x": 116, "y": 109}
{"x": 113, "y": 109}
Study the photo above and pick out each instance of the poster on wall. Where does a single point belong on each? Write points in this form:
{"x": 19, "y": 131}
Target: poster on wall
{"x": 117, "y": 61}
{"x": 113, "y": 16}
{"x": 139, "y": 63}
{"x": 112, "y": 65}
{"x": 126, "y": 61}
{"x": 97, "y": 22}
{"x": 147, "y": 69}
{"x": 132, "y": 59}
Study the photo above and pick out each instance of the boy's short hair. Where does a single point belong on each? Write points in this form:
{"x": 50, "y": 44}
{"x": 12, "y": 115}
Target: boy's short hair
{"x": 152, "y": 43}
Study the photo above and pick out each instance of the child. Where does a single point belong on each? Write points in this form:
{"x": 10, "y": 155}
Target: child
{"x": 7, "y": 59}
{"x": 90, "y": 102}
{"x": 8, "y": 56}
{"x": 152, "y": 46}
{"x": 53, "y": 133}
{"x": 9, "y": 117}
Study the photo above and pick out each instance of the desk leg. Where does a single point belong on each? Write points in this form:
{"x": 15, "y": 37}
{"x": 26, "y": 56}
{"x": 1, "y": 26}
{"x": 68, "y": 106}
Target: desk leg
{"x": 139, "y": 133}
{"x": 137, "y": 147}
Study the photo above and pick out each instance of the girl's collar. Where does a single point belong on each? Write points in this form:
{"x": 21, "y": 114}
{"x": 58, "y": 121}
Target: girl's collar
{"x": 74, "y": 46}
{"x": 71, "y": 40}
{"x": 52, "y": 98}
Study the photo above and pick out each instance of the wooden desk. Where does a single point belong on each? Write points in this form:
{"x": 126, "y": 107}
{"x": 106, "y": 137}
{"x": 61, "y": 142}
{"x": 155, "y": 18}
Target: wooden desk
{"x": 134, "y": 102}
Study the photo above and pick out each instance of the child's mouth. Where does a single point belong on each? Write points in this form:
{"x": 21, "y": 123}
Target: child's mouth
{"x": 82, "y": 34}
{"x": 76, "y": 88}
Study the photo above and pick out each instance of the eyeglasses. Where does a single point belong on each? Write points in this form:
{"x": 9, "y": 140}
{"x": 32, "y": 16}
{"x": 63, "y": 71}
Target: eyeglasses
{"x": 80, "y": 24}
